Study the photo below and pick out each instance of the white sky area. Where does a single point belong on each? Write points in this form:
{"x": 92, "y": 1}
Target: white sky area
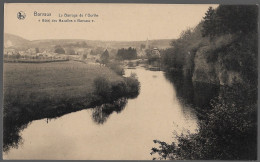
{"x": 119, "y": 22}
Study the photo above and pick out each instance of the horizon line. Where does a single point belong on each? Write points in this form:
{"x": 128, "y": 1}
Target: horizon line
{"x": 91, "y": 39}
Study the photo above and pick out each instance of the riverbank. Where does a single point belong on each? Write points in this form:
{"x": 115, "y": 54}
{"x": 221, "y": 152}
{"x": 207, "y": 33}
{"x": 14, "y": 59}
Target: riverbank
{"x": 37, "y": 91}
{"x": 126, "y": 122}
{"x": 221, "y": 51}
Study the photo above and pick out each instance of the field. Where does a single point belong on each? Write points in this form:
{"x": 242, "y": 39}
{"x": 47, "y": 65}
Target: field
{"x": 69, "y": 79}
{"x": 35, "y": 91}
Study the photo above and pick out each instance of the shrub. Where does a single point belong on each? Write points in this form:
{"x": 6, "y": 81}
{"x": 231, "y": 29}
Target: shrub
{"x": 102, "y": 87}
{"x": 229, "y": 131}
{"x": 115, "y": 66}
{"x": 118, "y": 89}
{"x": 133, "y": 86}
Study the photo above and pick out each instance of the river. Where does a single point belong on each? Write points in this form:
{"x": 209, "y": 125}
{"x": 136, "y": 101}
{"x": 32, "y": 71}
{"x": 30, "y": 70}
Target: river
{"x": 126, "y": 134}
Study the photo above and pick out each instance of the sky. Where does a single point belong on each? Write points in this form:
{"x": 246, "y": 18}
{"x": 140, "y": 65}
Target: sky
{"x": 116, "y": 22}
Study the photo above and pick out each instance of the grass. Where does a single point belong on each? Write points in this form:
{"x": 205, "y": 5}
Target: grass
{"x": 48, "y": 90}
{"x": 64, "y": 79}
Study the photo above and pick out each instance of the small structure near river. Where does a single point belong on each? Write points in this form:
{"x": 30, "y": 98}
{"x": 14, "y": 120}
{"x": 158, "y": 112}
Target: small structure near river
{"x": 154, "y": 60}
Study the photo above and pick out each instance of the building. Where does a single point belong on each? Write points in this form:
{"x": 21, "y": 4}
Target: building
{"x": 156, "y": 52}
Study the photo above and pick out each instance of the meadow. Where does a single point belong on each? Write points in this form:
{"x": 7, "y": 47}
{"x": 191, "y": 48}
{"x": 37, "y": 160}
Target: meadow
{"x": 35, "y": 91}
{"x": 69, "y": 79}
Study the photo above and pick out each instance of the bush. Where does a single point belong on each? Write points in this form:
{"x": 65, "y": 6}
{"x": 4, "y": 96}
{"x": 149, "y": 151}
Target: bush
{"x": 229, "y": 131}
{"x": 59, "y": 50}
{"x": 111, "y": 91}
{"x": 133, "y": 86}
{"x": 115, "y": 66}
{"x": 118, "y": 90}
{"x": 102, "y": 87}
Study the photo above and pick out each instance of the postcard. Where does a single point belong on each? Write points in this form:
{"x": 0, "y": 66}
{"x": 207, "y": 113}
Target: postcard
{"x": 130, "y": 81}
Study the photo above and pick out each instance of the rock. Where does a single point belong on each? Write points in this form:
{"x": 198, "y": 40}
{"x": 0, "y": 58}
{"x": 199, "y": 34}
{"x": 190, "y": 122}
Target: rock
{"x": 213, "y": 72}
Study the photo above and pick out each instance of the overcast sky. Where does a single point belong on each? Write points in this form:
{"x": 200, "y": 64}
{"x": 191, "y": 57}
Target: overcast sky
{"x": 114, "y": 22}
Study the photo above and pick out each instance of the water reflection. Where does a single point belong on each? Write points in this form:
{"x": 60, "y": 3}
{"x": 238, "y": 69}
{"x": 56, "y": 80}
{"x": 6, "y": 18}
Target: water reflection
{"x": 196, "y": 94}
{"x": 122, "y": 130}
{"x": 101, "y": 113}
{"x": 11, "y": 137}
{"x": 16, "y": 122}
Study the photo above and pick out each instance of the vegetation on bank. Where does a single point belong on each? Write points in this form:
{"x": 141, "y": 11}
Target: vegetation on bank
{"x": 225, "y": 41}
{"x": 221, "y": 49}
{"x": 36, "y": 91}
{"x": 227, "y": 131}
{"x": 127, "y": 54}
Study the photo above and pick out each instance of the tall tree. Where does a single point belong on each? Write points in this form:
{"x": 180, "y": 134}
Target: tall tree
{"x": 59, "y": 50}
{"x": 104, "y": 57}
{"x": 230, "y": 19}
{"x": 209, "y": 23}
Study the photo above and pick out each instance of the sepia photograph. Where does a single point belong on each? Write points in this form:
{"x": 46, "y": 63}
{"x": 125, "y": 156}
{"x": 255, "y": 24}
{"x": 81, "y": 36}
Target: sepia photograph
{"x": 130, "y": 81}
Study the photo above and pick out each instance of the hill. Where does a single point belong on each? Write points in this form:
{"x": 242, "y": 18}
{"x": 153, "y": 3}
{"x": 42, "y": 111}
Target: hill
{"x": 17, "y": 42}
{"x": 11, "y": 40}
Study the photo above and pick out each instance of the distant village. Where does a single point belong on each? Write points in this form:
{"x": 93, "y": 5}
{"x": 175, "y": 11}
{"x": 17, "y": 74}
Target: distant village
{"x": 72, "y": 51}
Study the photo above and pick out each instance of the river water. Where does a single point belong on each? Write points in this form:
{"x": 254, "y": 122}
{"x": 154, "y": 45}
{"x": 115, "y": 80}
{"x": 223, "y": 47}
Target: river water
{"x": 127, "y": 134}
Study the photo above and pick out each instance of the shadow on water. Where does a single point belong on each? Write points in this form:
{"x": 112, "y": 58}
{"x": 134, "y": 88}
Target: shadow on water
{"x": 11, "y": 137}
{"x": 228, "y": 115}
{"x": 18, "y": 118}
{"x": 101, "y": 113}
{"x": 195, "y": 94}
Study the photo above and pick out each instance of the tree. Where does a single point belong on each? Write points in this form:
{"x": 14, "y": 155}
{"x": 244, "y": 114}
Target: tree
{"x": 229, "y": 131}
{"x": 127, "y": 54}
{"x": 209, "y": 23}
{"x": 237, "y": 18}
{"x": 230, "y": 19}
{"x": 59, "y": 50}
{"x": 104, "y": 57}
{"x": 142, "y": 46}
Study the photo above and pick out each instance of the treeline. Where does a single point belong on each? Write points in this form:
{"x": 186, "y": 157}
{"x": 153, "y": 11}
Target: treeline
{"x": 127, "y": 54}
{"x": 81, "y": 44}
{"x": 225, "y": 38}
{"x": 226, "y": 35}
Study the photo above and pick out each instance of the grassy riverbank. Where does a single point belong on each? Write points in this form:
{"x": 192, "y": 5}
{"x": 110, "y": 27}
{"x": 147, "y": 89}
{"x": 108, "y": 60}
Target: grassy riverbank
{"x": 49, "y": 90}
{"x": 65, "y": 79}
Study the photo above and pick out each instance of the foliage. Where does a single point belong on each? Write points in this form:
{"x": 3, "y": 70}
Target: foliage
{"x": 112, "y": 53}
{"x": 209, "y": 23}
{"x": 152, "y": 55}
{"x": 227, "y": 37}
{"x": 104, "y": 58}
{"x": 182, "y": 53}
{"x": 127, "y": 54}
{"x": 116, "y": 67}
{"x": 133, "y": 85}
{"x": 229, "y": 131}
{"x": 81, "y": 44}
{"x": 230, "y": 19}
{"x": 97, "y": 51}
{"x": 109, "y": 91}
{"x": 59, "y": 88}
{"x": 102, "y": 87}
{"x": 142, "y": 46}
{"x": 58, "y": 49}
